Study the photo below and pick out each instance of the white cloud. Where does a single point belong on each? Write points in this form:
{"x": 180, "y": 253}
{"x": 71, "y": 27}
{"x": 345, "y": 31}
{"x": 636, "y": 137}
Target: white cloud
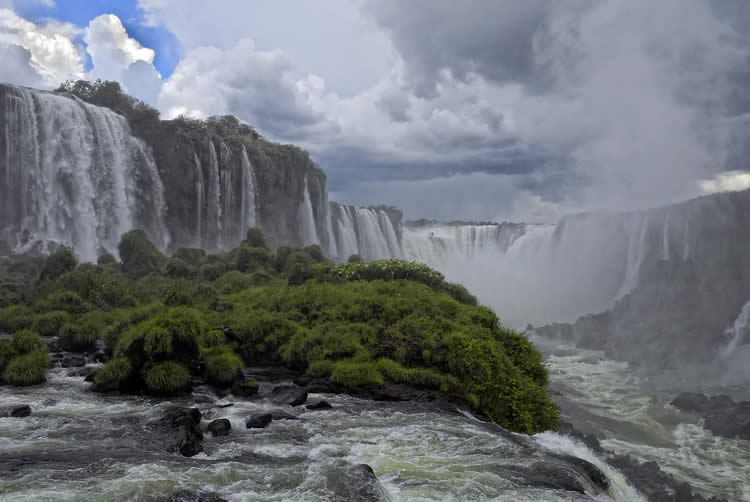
{"x": 53, "y": 54}
{"x": 731, "y": 181}
{"x": 112, "y": 50}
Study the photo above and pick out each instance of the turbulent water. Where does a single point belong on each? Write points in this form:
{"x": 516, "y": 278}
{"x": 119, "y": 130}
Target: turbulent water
{"x": 79, "y": 445}
{"x": 73, "y": 173}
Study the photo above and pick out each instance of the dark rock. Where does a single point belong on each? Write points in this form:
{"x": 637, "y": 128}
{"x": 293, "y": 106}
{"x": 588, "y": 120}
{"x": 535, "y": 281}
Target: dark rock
{"x": 589, "y": 440}
{"x": 82, "y": 372}
{"x": 259, "y": 421}
{"x": 288, "y": 395}
{"x": 559, "y": 472}
{"x": 691, "y": 402}
{"x": 220, "y": 427}
{"x": 732, "y": 421}
{"x": 283, "y": 415}
{"x": 320, "y": 404}
{"x": 16, "y": 411}
{"x": 72, "y": 360}
{"x": 191, "y": 496}
{"x": 355, "y": 483}
{"x": 721, "y": 402}
{"x": 180, "y": 431}
{"x": 244, "y": 388}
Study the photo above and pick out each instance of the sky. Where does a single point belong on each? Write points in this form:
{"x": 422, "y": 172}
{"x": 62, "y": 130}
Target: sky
{"x": 475, "y": 110}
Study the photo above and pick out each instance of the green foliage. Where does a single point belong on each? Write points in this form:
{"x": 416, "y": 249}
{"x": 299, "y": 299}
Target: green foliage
{"x": 249, "y": 259}
{"x": 298, "y": 257}
{"x": 15, "y": 317}
{"x": 281, "y": 256}
{"x": 299, "y": 274}
{"x": 212, "y": 271}
{"x": 174, "y": 296}
{"x": 355, "y": 374}
{"x": 355, "y": 258}
{"x": 315, "y": 253}
{"x": 68, "y": 301}
{"x": 77, "y": 338}
{"x": 234, "y": 281}
{"x": 222, "y": 366}
{"x": 106, "y": 259}
{"x": 177, "y": 268}
{"x": 213, "y": 338}
{"x": 7, "y": 352}
{"x": 191, "y": 256}
{"x": 255, "y": 238}
{"x": 27, "y": 369}
{"x": 56, "y": 264}
{"x": 115, "y": 372}
{"x": 26, "y": 341}
{"x": 167, "y": 378}
{"x": 138, "y": 254}
{"x": 158, "y": 342}
{"x": 50, "y": 323}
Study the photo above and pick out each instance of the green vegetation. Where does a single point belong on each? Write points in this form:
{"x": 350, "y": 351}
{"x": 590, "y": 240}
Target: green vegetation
{"x": 24, "y": 359}
{"x": 356, "y": 324}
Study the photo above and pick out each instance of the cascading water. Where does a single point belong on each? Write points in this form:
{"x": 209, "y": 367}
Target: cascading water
{"x": 249, "y": 215}
{"x": 214, "y": 195}
{"x": 74, "y": 174}
{"x": 199, "y": 188}
{"x": 308, "y": 229}
{"x": 369, "y": 232}
{"x": 225, "y": 177}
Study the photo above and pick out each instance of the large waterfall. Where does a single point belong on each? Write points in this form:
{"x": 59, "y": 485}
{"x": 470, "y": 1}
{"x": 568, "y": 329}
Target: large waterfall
{"x": 74, "y": 174}
{"x": 369, "y": 232}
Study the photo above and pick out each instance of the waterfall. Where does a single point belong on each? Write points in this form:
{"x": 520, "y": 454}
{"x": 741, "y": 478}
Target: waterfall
{"x": 736, "y": 332}
{"x": 636, "y": 249}
{"x": 198, "y": 200}
{"x": 249, "y": 218}
{"x": 333, "y": 249}
{"x": 308, "y": 231}
{"x": 214, "y": 195}
{"x": 225, "y": 176}
{"x": 74, "y": 174}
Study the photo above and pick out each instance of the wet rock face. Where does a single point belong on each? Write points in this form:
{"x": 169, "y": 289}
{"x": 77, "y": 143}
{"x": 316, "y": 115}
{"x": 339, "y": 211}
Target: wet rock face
{"x": 721, "y": 414}
{"x": 320, "y": 404}
{"x": 16, "y": 411}
{"x": 179, "y": 430}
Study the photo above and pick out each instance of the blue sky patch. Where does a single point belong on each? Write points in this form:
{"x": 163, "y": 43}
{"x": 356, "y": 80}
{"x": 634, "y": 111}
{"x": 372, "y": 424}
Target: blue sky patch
{"x": 80, "y": 12}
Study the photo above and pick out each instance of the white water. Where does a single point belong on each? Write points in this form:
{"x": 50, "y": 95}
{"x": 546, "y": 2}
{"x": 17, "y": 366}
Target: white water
{"x": 308, "y": 228}
{"x": 199, "y": 188}
{"x": 79, "y": 445}
{"x": 368, "y": 232}
{"x": 227, "y": 189}
{"x": 249, "y": 216}
{"x": 75, "y": 184}
{"x": 214, "y": 194}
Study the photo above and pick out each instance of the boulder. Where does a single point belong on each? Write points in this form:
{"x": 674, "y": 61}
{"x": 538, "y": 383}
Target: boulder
{"x": 86, "y": 371}
{"x": 18, "y": 411}
{"x": 259, "y": 421}
{"x": 68, "y": 360}
{"x": 691, "y": 402}
{"x": 244, "y": 388}
{"x": 283, "y": 415}
{"x": 180, "y": 430}
{"x": 320, "y": 404}
{"x": 288, "y": 395}
{"x": 220, "y": 427}
{"x": 731, "y": 422}
{"x": 355, "y": 483}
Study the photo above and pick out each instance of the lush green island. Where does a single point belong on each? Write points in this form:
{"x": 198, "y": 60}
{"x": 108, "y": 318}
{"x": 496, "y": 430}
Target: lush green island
{"x": 165, "y": 321}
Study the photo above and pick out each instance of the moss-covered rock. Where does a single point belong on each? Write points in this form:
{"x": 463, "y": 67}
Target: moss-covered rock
{"x": 167, "y": 378}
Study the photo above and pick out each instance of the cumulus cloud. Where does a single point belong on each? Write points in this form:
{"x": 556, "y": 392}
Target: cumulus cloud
{"x": 17, "y": 67}
{"x": 112, "y": 50}
{"x": 245, "y": 81}
{"x": 53, "y": 54}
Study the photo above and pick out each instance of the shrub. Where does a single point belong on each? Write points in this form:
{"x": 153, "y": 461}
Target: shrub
{"x": 49, "y": 324}
{"x": 205, "y": 293}
{"x": 115, "y": 372}
{"x": 27, "y": 369}
{"x": 299, "y": 274}
{"x": 177, "y": 269}
{"x": 158, "y": 342}
{"x": 249, "y": 259}
{"x": 222, "y": 366}
{"x": 355, "y": 374}
{"x": 255, "y": 238}
{"x": 174, "y": 296}
{"x": 233, "y": 281}
{"x": 297, "y": 257}
{"x": 56, "y": 264}
{"x": 7, "y": 352}
{"x": 106, "y": 259}
{"x": 138, "y": 254}
{"x": 191, "y": 256}
{"x": 65, "y": 300}
{"x": 212, "y": 271}
{"x": 315, "y": 253}
{"x": 15, "y": 317}
{"x": 355, "y": 258}
{"x": 281, "y": 256}
{"x": 26, "y": 341}
{"x": 214, "y": 338}
{"x": 167, "y": 378}
{"x": 260, "y": 278}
